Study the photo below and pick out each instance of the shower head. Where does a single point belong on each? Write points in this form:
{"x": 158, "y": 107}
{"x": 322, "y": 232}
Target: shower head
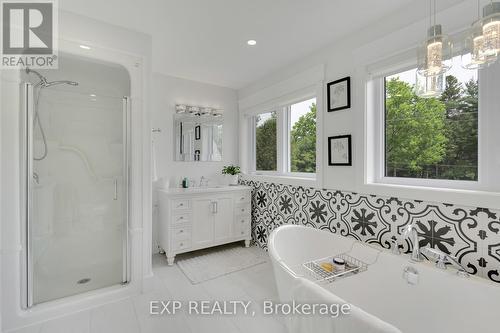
{"x": 42, "y": 78}
{"x": 45, "y": 84}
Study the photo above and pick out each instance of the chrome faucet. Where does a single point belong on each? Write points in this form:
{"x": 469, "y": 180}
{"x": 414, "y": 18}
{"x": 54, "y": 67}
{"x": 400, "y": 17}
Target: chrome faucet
{"x": 443, "y": 258}
{"x": 203, "y": 181}
{"x": 410, "y": 231}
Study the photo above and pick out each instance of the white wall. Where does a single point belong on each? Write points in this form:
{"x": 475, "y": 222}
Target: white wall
{"x": 168, "y": 91}
{"x": 351, "y": 56}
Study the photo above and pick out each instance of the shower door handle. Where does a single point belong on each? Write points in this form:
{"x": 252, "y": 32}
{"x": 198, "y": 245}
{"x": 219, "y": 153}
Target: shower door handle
{"x": 115, "y": 196}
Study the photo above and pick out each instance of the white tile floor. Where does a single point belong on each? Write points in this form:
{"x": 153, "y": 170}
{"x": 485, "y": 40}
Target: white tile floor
{"x": 132, "y": 315}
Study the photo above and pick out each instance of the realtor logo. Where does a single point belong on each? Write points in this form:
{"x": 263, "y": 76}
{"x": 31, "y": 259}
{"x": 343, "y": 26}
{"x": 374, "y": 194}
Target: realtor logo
{"x": 29, "y": 34}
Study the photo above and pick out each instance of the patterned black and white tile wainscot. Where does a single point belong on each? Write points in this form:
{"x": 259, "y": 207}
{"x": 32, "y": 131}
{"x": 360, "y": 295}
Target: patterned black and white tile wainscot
{"x": 471, "y": 234}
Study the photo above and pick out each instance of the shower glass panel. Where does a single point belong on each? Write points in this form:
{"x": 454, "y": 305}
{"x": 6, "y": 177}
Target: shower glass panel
{"x": 77, "y": 179}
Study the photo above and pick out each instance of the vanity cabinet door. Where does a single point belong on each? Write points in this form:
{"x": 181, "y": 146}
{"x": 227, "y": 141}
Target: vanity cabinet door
{"x": 223, "y": 218}
{"x": 203, "y": 222}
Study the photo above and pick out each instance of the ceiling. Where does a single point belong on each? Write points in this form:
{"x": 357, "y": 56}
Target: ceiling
{"x": 205, "y": 40}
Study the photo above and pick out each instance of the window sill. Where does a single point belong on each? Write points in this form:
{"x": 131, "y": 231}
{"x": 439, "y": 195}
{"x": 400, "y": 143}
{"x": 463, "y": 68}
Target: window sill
{"x": 464, "y": 197}
{"x": 283, "y": 179}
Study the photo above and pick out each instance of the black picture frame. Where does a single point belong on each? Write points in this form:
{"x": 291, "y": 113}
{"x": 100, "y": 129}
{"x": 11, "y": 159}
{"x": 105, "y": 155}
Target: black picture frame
{"x": 330, "y": 86}
{"x": 331, "y": 162}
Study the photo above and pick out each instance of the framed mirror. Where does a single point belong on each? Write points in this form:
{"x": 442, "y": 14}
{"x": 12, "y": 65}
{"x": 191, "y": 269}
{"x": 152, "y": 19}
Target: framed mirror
{"x": 198, "y": 137}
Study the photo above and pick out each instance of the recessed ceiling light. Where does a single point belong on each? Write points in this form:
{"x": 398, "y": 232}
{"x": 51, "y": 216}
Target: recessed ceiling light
{"x": 251, "y": 42}
{"x": 85, "y": 47}
{"x": 92, "y": 95}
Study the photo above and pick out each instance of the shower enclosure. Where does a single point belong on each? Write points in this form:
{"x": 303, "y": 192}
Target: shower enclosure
{"x": 76, "y": 155}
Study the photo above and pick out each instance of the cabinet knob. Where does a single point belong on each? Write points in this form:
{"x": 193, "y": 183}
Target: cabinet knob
{"x": 181, "y": 231}
{"x": 181, "y": 204}
{"x": 242, "y": 232}
{"x": 181, "y": 218}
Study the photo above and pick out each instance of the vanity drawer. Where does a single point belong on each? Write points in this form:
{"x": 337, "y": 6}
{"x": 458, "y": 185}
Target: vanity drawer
{"x": 179, "y": 204}
{"x": 180, "y": 244}
{"x": 181, "y": 218}
{"x": 242, "y": 209}
{"x": 181, "y": 234}
{"x": 243, "y": 220}
{"x": 242, "y": 230}
{"x": 242, "y": 198}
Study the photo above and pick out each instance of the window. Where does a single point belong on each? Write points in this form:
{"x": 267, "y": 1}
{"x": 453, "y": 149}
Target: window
{"x": 265, "y": 142}
{"x": 432, "y": 138}
{"x": 302, "y": 136}
{"x": 285, "y": 140}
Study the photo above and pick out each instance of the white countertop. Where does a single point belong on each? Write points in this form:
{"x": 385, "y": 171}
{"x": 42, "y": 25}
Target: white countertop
{"x": 210, "y": 189}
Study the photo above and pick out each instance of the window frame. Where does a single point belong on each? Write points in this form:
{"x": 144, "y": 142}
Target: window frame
{"x": 283, "y": 128}
{"x": 379, "y": 145}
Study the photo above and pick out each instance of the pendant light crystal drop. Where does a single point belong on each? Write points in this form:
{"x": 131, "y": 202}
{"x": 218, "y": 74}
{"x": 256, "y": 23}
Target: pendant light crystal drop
{"x": 491, "y": 31}
{"x": 435, "y": 54}
{"x": 430, "y": 86}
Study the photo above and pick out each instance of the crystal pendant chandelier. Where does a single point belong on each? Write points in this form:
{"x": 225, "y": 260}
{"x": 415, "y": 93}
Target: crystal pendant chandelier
{"x": 491, "y": 31}
{"x": 435, "y": 54}
{"x": 430, "y": 86}
{"x": 473, "y": 49}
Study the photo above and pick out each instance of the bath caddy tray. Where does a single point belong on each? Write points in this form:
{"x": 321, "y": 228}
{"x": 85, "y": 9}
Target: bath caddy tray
{"x": 318, "y": 274}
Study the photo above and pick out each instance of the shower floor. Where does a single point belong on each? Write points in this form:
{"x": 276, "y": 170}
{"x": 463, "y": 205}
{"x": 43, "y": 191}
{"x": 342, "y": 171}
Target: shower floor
{"x": 65, "y": 261}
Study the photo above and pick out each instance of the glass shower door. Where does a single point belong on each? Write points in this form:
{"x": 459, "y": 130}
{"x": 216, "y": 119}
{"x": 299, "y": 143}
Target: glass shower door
{"x": 77, "y": 191}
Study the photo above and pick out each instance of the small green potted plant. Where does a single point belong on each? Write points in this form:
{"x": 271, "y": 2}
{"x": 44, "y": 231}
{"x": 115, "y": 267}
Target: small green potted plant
{"x": 232, "y": 172}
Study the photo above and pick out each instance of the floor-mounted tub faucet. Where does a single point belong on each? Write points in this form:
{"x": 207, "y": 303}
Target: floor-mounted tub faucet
{"x": 410, "y": 232}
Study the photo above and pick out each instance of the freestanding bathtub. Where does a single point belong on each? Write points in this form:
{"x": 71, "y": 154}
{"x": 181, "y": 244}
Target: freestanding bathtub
{"x": 440, "y": 302}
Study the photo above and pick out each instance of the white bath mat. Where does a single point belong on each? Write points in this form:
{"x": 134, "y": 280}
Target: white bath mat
{"x": 212, "y": 263}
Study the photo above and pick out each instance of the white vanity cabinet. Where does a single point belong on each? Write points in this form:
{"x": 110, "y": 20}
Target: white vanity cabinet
{"x": 193, "y": 219}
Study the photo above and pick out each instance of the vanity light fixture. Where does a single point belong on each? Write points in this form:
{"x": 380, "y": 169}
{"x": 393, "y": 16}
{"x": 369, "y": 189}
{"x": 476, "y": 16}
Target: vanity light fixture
{"x": 217, "y": 113}
{"x": 491, "y": 31}
{"x": 197, "y": 110}
{"x": 435, "y": 54}
{"x": 194, "y": 110}
{"x": 205, "y": 111}
{"x": 180, "y": 108}
{"x": 252, "y": 42}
